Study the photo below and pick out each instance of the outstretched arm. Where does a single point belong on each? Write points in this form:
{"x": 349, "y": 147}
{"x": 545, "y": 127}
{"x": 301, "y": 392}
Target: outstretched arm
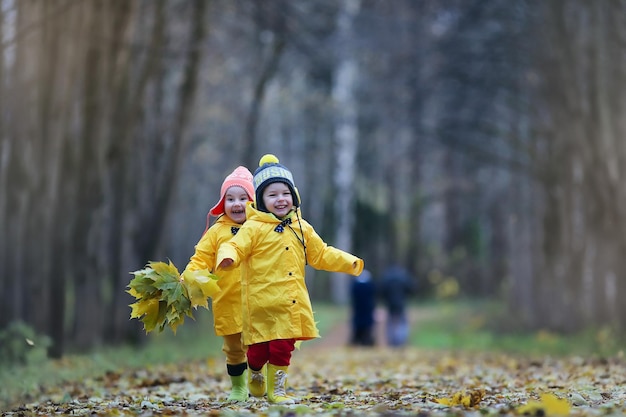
{"x": 328, "y": 258}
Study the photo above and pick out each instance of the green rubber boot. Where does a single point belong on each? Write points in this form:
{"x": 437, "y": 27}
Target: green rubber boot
{"x": 256, "y": 381}
{"x": 239, "y": 391}
{"x": 277, "y": 385}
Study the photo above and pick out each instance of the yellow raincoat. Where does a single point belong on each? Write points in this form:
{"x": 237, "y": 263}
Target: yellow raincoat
{"x": 227, "y": 303}
{"x": 276, "y": 303}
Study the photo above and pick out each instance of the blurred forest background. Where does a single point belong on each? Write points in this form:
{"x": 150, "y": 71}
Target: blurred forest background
{"x": 480, "y": 143}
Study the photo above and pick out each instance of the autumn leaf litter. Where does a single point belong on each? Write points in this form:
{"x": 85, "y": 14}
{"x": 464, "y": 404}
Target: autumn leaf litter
{"x": 343, "y": 381}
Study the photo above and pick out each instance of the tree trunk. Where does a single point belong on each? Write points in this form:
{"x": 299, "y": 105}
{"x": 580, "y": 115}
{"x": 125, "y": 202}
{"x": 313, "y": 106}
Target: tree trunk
{"x": 250, "y": 158}
{"x": 346, "y": 137}
{"x": 579, "y": 168}
{"x": 87, "y": 287}
{"x": 125, "y": 121}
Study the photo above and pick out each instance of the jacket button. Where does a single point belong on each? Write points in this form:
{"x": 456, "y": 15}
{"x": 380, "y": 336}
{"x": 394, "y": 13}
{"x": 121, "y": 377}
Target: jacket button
{"x": 294, "y": 301}
{"x": 287, "y": 248}
{"x": 291, "y": 273}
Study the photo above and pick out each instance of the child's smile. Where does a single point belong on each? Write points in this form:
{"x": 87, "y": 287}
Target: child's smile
{"x": 235, "y": 204}
{"x": 278, "y": 199}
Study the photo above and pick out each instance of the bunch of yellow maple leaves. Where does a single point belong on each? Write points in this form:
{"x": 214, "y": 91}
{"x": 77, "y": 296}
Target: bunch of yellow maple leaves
{"x": 164, "y": 297}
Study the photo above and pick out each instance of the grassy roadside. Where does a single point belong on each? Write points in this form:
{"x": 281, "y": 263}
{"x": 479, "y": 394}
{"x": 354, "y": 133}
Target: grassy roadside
{"x": 485, "y": 326}
{"x": 194, "y": 340}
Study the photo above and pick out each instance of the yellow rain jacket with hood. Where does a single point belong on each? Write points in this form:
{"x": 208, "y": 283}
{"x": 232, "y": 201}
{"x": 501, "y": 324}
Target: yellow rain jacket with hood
{"x": 275, "y": 299}
{"x": 226, "y": 304}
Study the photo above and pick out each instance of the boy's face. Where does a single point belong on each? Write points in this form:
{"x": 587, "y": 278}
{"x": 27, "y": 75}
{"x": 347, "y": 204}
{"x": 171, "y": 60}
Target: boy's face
{"x": 278, "y": 199}
{"x": 235, "y": 201}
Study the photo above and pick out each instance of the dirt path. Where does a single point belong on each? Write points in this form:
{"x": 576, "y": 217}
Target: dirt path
{"x": 339, "y": 335}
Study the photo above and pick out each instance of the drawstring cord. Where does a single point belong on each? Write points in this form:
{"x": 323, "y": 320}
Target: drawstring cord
{"x": 301, "y": 239}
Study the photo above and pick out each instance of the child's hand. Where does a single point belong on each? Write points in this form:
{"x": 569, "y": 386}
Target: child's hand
{"x": 225, "y": 263}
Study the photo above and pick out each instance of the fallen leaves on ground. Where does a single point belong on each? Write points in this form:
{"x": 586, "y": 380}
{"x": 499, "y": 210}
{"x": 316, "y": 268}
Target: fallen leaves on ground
{"x": 359, "y": 381}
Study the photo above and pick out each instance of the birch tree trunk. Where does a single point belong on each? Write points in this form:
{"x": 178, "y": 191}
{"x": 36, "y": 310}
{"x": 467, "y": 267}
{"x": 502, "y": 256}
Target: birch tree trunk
{"x": 5, "y": 281}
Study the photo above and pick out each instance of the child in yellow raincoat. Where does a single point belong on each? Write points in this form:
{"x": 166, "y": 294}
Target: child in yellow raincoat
{"x": 273, "y": 247}
{"x": 230, "y": 210}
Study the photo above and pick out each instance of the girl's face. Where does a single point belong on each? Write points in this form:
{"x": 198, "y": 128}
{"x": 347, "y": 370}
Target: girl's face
{"x": 278, "y": 199}
{"x": 235, "y": 201}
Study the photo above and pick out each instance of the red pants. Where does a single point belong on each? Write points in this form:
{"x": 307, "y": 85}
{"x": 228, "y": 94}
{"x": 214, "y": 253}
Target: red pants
{"x": 276, "y": 352}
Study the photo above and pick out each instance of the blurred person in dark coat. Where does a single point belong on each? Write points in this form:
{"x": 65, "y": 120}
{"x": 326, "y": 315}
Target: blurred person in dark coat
{"x": 396, "y": 285}
{"x": 363, "y": 300}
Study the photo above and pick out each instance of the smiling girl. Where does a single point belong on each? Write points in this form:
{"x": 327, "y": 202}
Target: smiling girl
{"x": 237, "y": 190}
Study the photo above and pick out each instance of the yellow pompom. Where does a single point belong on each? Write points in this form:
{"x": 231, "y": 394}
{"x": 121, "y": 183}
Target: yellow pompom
{"x": 268, "y": 158}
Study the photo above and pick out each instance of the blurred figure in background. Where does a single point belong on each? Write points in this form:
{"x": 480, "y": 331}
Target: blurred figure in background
{"x": 363, "y": 298}
{"x": 396, "y": 286}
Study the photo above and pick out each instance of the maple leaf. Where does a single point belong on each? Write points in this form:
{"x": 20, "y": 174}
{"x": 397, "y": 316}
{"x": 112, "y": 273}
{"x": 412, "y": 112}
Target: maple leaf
{"x": 175, "y": 319}
{"x": 142, "y": 283}
{"x": 165, "y": 269}
{"x": 147, "y": 310}
{"x": 182, "y": 306}
{"x": 467, "y": 399}
{"x": 171, "y": 291}
{"x": 201, "y": 285}
{"x": 550, "y": 405}
{"x": 134, "y": 293}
